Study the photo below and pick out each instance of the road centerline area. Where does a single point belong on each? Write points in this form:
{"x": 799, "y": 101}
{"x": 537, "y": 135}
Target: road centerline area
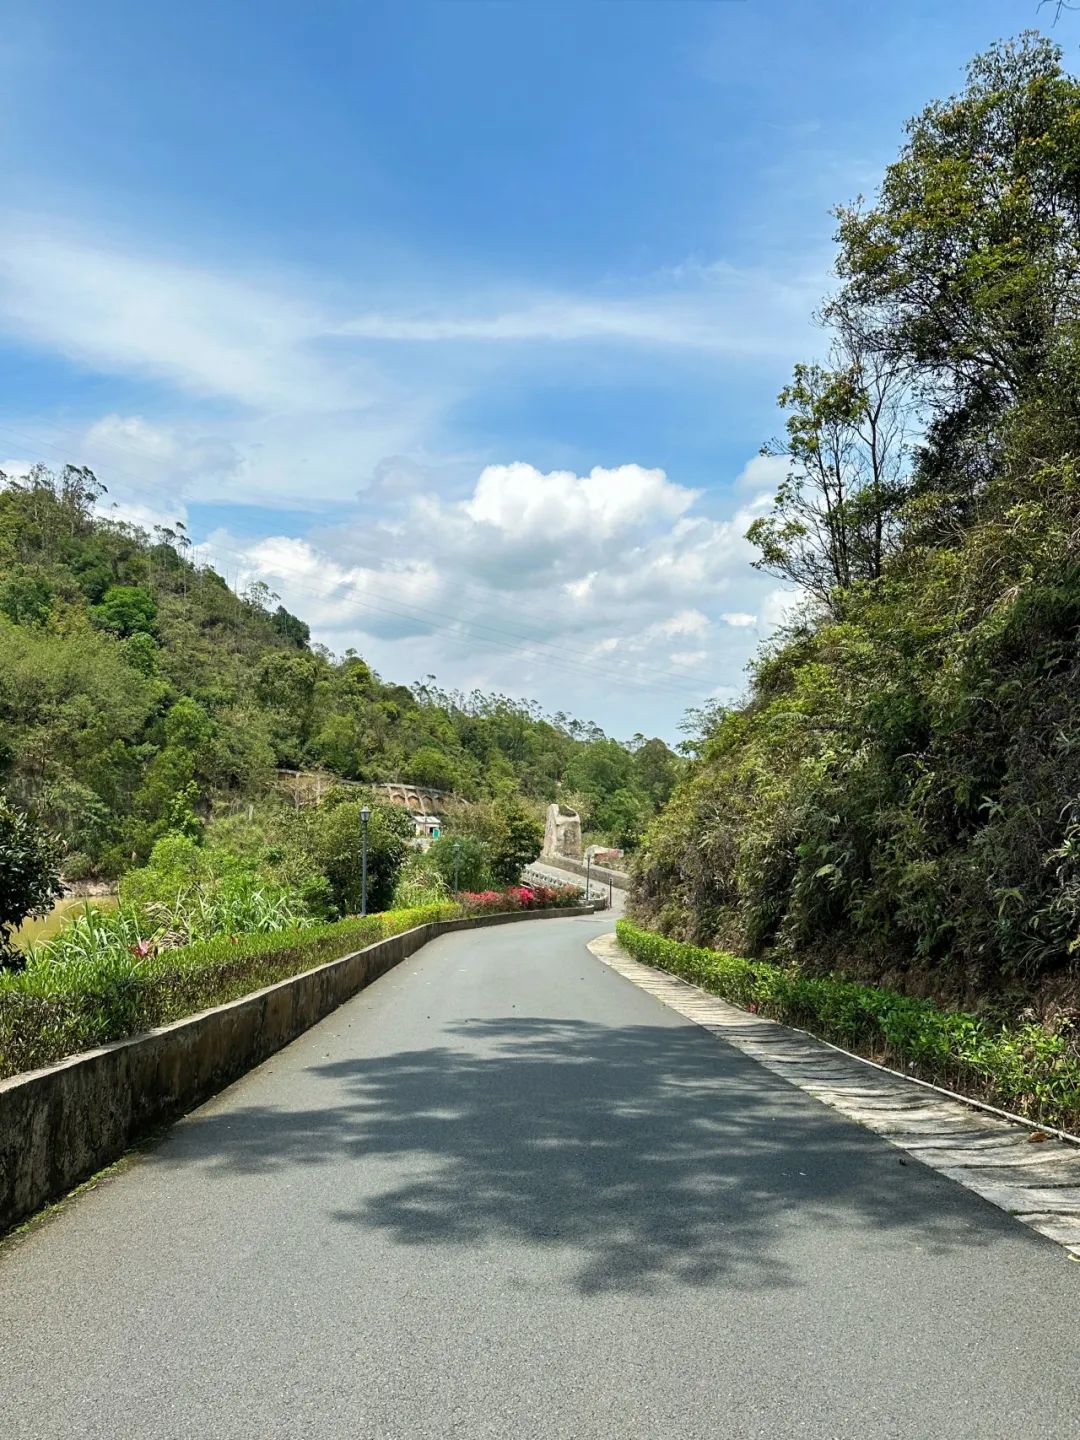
{"x": 503, "y": 1192}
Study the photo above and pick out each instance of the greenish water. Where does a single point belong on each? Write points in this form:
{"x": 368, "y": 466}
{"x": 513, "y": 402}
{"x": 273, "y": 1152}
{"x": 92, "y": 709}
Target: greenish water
{"x": 33, "y": 931}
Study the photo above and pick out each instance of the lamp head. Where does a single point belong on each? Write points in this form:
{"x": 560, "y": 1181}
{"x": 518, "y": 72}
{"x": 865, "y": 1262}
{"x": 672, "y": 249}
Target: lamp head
{"x": 365, "y": 814}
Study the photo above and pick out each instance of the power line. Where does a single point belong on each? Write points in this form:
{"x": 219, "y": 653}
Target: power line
{"x": 405, "y": 610}
{"x": 556, "y": 661}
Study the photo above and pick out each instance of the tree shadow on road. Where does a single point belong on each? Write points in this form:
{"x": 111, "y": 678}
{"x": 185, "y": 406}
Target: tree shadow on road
{"x": 640, "y": 1156}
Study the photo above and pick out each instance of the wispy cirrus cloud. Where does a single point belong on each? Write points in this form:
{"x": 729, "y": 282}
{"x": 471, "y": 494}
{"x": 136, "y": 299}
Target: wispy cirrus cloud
{"x": 722, "y": 325}
{"x": 281, "y": 387}
{"x": 715, "y": 307}
{"x": 267, "y": 341}
{"x": 120, "y": 310}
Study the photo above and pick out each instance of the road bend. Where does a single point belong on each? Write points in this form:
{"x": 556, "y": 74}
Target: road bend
{"x": 504, "y": 1193}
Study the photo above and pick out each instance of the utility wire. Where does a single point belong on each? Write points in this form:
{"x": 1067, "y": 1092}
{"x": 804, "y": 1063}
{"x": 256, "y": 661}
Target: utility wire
{"x": 667, "y": 681}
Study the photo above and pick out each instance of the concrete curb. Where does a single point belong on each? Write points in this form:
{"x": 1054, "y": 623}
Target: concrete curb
{"x": 62, "y": 1123}
{"x": 981, "y": 1149}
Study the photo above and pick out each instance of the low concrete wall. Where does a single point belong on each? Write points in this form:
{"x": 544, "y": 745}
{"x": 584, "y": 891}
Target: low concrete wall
{"x": 60, "y": 1124}
{"x": 618, "y": 878}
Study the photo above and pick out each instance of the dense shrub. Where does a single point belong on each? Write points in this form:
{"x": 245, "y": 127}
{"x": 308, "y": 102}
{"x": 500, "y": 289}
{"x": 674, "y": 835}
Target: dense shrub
{"x": 333, "y": 837}
{"x": 29, "y": 876}
{"x": 73, "y": 999}
{"x": 126, "y": 610}
{"x": 1022, "y": 1068}
{"x": 463, "y": 858}
{"x": 897, "y": 796}
{"x": 512, "y": 837}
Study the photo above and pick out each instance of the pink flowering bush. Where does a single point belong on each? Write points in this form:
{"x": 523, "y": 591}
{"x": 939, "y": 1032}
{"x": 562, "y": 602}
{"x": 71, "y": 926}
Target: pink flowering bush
{"x": 520, "y": 897}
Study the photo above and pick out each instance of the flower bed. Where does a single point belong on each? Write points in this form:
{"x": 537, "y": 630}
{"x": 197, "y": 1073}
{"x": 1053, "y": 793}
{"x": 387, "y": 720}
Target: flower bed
{"x": 520, "y": 897}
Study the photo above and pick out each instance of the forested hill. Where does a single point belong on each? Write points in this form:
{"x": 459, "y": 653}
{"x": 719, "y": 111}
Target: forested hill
{"x": 900, "y": 795}
{"x": 138, "y": 692}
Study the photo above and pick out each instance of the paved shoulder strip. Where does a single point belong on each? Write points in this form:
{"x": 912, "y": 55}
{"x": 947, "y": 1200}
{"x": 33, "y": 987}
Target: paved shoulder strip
{"x": 1038, "y": 1183}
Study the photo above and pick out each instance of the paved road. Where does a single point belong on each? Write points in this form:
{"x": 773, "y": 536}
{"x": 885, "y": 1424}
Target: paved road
{"x": 504, "y": 1193}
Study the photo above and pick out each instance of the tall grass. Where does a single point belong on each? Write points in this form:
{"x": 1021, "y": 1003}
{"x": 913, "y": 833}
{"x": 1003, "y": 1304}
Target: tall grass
{"x": 194, "y": 912}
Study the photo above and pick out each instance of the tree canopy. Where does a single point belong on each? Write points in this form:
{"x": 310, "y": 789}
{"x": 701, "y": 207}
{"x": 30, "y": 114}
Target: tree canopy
{"x": 899, "y": 792}
{"x": 140, "y": 696}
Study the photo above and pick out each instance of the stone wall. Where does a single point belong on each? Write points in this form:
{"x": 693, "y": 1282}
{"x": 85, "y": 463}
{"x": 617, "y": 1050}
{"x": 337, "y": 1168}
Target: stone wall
{"x": 63, "y": 1123}
{"x": 307, "y": 787}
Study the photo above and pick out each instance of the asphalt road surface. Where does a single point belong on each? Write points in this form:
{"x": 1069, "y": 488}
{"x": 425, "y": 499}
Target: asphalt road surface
{"x": 504, "y": 1193}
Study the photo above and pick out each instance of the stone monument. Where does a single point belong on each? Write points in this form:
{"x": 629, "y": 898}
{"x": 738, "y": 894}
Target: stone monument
{"x": 562, "y": 834}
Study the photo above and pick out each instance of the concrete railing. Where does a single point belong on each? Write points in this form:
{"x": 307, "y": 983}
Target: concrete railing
{"x": 60, "y": 1124}
{"x": 598, "y": 899}
{"x": 599, "y": 873}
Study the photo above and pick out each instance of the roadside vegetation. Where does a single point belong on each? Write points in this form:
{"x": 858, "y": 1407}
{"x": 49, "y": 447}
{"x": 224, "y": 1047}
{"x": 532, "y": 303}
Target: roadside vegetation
{"x": 1022, "y": 1068}
{"x": 108, "y": 975}
{"x": 897, "y": 799}
{"x": 223, "y": 908}
{"x": 227, "y": 906}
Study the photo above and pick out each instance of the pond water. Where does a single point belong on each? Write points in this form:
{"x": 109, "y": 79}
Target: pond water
{"x": 44, "y": 927}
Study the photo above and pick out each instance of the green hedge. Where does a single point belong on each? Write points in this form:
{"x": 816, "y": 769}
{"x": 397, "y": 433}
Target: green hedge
{"x": 56, "y": 1010}
{"x": 1022, "y": 1068}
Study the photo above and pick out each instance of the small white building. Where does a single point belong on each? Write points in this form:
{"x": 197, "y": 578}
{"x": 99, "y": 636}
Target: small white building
{"x": 426, "y": 828}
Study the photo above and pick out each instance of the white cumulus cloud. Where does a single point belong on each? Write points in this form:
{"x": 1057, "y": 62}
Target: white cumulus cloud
{"x": 571, "y": 587}
{"x": 762, "y": 475}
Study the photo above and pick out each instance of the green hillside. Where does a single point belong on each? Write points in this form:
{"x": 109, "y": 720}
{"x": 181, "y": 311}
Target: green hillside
{"x": 899, "y": 796}
{"x": 140, "y": 696}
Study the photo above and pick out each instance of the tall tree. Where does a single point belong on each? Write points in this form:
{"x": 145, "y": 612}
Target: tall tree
{"x": 833, "y": 519}
{"x": 970, "y": 258}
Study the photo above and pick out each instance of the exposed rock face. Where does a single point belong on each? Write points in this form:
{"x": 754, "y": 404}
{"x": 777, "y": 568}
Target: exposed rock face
{"x": 562, "y": 834}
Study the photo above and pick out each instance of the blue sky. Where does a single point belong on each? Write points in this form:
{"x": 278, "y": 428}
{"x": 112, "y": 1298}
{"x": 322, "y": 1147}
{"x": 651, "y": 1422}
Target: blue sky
{"x": 459, "y": 323}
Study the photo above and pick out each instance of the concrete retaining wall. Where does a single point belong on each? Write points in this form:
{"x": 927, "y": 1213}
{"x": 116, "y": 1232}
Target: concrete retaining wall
{"x": 60, "y": 1124}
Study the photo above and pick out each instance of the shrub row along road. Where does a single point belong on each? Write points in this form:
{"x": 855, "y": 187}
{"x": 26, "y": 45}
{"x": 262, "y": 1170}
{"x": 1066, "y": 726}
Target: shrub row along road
{"x": 505, "y": 1193}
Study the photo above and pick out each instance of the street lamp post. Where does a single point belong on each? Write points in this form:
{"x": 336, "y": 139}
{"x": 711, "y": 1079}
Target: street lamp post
{"x": 588, "y": 874}
{"x": 457, "y": 865}
{"x": 365, "y": 816}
